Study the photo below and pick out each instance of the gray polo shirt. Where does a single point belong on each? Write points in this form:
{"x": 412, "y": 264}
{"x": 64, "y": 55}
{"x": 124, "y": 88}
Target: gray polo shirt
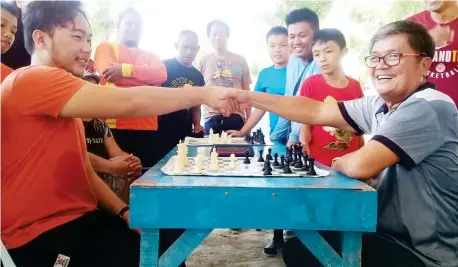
{"x": 417, "y": 198}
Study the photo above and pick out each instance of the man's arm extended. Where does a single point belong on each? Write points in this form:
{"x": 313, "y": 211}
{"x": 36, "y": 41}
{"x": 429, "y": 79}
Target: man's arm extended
{"x": 295, "y": 108}
{"x": 94, "y": 101}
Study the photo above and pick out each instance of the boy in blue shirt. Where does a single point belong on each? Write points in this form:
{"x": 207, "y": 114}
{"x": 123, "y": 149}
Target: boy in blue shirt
{"x": 271, "y": 80}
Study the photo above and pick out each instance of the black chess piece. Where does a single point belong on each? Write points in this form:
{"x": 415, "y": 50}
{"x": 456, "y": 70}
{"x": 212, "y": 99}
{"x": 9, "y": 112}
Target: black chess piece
{"x": 261, "y": 137}
{"x": 247, "y": 138}
{"x": 293, "y": 156}
{"x": 247, "y": 160}
{"x": 282, "y": 162}
{"x": 306, "y": 159}
{"x": 267, "y": 166}
{"x": 311, "y": 170}
{"x": 299, "y": 164}
{"x": 269, "y": 154}
{"x": 287, "y": 169}
{"x": 276, "y": 164}
{"x": 261, "y": 159}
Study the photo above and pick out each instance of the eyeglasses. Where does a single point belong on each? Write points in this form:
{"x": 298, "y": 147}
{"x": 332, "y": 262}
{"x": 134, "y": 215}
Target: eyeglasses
{"x": 391, "y": 59}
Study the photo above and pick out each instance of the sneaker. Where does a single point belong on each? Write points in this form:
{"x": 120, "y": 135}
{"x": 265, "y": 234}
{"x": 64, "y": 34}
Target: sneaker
{"x": 274, "y": 248}
{"x": 288, "y": 234}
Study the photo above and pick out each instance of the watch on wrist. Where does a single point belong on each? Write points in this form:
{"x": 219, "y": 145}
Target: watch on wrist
{"x": 123, "y": 210}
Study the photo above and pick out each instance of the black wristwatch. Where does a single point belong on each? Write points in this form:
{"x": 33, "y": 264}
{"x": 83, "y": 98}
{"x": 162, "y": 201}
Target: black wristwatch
{"x": 123, "y": 210}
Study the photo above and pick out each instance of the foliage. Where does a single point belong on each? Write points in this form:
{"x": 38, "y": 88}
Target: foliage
{"x": 284, "y": 7}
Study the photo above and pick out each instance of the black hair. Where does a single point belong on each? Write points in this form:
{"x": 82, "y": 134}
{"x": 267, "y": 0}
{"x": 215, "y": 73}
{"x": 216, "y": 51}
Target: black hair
{"x": 187, "y": 32}
{"x": 46, "y": 16}
{"x": 331, "y": 34}
{"x": 11, "y": 8}
{"x": 418, "y": 36}
{"x": 303, "y": 15}
{"x": 277, "y": 30}
{"x": 219, "y": 22}
{"x": 127, "y": 11}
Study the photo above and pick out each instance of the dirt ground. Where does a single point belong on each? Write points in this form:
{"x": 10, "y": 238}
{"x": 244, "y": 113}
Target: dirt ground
{"x": 224, "y": 247}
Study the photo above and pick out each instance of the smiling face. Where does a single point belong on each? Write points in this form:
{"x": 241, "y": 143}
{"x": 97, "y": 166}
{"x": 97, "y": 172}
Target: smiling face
{"x": 397, "y": 81}
{"x": 67, "y": 47}
{"x": 9, "y": 29}
{"x": 300, "y": 36}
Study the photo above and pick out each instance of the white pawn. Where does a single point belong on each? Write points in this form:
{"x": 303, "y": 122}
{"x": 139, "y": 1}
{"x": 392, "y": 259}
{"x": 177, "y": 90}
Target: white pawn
{"x": 214, "y": 161}
{"x": 232, "y": 165}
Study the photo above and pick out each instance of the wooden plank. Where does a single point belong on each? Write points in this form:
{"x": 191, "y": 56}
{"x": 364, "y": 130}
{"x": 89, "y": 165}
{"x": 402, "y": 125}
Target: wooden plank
{"x": 249, "y": 208}
{"x": 325, "y": 254}
{"x": 183, "y": 247}
{"x": 149, "y": 248}
{"x": 351, "y": 249}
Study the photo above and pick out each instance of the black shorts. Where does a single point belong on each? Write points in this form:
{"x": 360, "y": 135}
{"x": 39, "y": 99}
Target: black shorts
{"x": 95, "y": 239}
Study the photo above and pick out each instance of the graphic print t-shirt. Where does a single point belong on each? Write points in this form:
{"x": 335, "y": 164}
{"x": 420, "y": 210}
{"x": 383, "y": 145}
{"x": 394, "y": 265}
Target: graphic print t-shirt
{"x": 96, "y": 131}
{"x": 444, "y": 69}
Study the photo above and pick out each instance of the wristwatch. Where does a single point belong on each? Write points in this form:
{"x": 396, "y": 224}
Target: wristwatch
{"x": 123, "y": 210}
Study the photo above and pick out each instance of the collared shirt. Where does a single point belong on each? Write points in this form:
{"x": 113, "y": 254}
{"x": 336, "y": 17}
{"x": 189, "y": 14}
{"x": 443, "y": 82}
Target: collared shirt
{"x": 296, "y": 71}
{"x": 418, "y": 197}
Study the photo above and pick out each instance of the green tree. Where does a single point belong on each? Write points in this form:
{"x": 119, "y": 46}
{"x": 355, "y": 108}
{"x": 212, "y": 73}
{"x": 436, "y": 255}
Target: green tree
{"x": 284, "y": 7}
{"x": 103, "y": 22}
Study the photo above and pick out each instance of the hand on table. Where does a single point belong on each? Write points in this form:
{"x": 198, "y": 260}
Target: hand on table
{"x": 235, "y": 133}
{"x": 290, "y": 144}
{"x": 112, "y": 73}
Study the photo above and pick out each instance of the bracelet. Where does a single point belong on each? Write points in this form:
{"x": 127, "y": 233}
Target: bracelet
{"x": 123, "y": 210}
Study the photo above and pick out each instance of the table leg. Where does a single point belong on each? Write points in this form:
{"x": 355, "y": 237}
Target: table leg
{"x": 183, "y": 247}
{"x": 325, "y": 254}
{"x": 149, "y": 248}
{"x": 351, "y": 249}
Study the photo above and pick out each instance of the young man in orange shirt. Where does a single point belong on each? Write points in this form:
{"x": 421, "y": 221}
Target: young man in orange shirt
{"x": 8, "y": 32}
{"x": 49, "y": 189}
{"x": 123, "y": 64}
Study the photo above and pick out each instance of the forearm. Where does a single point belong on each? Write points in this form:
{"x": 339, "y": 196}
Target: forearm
{"x": 106, "y": 198}
{"x": 300, "y": 109}
{"x": 361, "y": 141}
{"x": 196, "y": 115}
{"x": 254, "y": 119}
{"x": 98, "y": 163}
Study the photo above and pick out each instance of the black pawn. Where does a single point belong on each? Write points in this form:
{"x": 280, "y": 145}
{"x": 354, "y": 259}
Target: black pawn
{"x": 269, "y": 154}
{"x": 247, "y": 160}
{"x": 306, "y": 166}
{"x": 267, "y": 168}
{"x": 276, "y": 164}
{"x": 282, "y": 162}
{"x": 311, "y": 170}
{"x": 261, "y": 159}
{"x": 287, "y": 169}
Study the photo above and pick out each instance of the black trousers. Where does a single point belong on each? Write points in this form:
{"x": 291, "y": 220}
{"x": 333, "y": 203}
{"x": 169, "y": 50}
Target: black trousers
{"x": 220, "y": 123}
{"x": 143, "y": 144}
{"x": 377, "y": 251}
{"x": 173, "y": 127}
{"x": 95, "y": 239}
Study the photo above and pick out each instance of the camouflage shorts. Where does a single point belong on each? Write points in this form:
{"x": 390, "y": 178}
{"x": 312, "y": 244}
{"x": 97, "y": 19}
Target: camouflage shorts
{"x": 116, "y": 184}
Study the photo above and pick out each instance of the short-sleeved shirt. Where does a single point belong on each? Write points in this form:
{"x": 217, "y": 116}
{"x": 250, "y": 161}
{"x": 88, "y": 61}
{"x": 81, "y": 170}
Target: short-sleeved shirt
{"x": 444, "y": 69}
{"x": 96, "y": 131}
{"x": 177, "y": 125}
{"x": 272, "y": 80}
{"x": 44, "y": 181}
{"x": 418, "y": 197}
{"x": 328, "y": 143}
{"x": 5, "y": 71}
{"x": 232, "y": 71}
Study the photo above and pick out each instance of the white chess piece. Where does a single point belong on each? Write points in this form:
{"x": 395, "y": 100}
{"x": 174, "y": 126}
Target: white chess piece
{"x": 199, "y": 164}
{"x": 232, "y": 165}
{"x": 214, "y": 161}
{"x": 179, "y": 166}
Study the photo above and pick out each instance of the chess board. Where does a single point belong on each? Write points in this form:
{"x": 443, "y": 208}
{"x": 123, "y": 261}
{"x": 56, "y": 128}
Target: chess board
{"x": 254, "y": 169}
{"x": 192, "y": 141}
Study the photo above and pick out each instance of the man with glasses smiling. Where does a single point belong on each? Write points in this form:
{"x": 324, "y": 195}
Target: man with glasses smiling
{"x": 413, "y": 154}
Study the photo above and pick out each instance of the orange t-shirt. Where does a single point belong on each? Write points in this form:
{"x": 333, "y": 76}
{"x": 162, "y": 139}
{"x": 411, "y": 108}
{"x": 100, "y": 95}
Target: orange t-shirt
{"x": 146, "y": 69}
{"x": 44, "y": 182}
{"x": 5, "y": 71}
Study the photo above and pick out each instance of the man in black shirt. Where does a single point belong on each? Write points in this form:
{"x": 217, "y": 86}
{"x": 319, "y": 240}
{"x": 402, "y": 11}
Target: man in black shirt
{"x": 181, "y": 73}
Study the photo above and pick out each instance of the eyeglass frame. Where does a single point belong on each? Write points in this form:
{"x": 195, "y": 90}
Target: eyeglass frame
{"x": 393, "y": 53}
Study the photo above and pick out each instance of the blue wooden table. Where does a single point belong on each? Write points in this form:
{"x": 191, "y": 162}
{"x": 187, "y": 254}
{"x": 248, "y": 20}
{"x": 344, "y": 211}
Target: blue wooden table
{"x": 202, "y": 203}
